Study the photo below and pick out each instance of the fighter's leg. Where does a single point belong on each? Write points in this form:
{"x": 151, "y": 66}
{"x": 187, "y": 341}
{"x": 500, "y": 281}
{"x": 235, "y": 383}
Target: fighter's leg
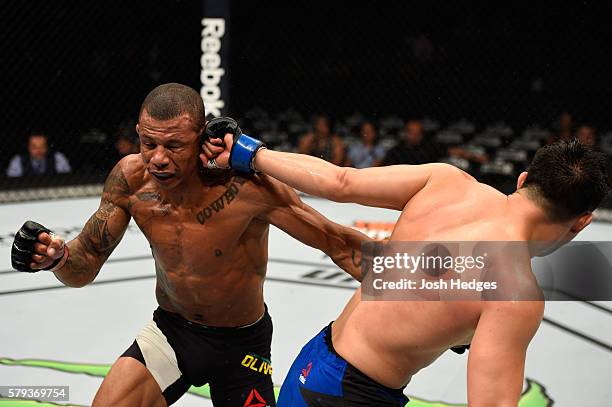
{"x": 146, "y": 374}
{"x": 129, "y": 383}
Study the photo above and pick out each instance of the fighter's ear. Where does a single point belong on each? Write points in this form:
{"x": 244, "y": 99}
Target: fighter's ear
{"x": 137, "y": 129}
{"x": 521, "y": 180}
{"x": 582, "y": 222}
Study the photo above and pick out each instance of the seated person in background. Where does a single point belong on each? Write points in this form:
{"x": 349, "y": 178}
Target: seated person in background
{"x": 126, "y": 142}
{"x": 322, "y": 143}
{"x": 414, "y": 148}
{"x": 587, "y": 135}
{"x": 39, "y": 160}
{"x": 562, "y": 128}
{"x": 367, "y": 153}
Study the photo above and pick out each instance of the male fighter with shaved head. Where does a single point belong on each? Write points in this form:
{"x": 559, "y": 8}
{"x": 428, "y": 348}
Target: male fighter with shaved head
{"x": 369, "y": 354}
{"x": 209, "y": 236}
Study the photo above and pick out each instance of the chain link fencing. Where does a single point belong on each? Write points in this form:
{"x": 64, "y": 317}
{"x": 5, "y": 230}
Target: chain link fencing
{"x": 479, "y": 87}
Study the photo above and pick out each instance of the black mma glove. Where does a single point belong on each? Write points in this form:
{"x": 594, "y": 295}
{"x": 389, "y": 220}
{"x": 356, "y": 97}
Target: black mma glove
{"x": 244, "y": 147}
{"x": 23, "y": 247}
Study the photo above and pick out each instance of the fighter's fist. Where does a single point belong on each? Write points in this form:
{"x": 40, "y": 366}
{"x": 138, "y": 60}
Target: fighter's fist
{"x": 216, "y": 152}
{"x": 36, "y": 248}
{"x": 225, "y": 146}
{"x": 218, "y": 139}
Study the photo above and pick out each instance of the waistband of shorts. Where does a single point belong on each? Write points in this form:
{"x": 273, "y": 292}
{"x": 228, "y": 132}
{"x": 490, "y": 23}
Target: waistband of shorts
{"x": 179, "y": 319}
{"x": 327, "y": 337}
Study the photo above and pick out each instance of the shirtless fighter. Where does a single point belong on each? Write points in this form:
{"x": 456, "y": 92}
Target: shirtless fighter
{"x": 208, "y": 235}
{"x": 369, "y": 354}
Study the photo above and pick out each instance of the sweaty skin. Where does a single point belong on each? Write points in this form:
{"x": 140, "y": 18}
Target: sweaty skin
{"x": 208, "y": 234}
{"x": 438, "y": 203}
{"x": 390, "y": 341}
{"x": 450, "y": 207}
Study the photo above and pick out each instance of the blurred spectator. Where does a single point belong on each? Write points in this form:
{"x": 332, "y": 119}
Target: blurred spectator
{"x": 414, "y": 148}
{"x": 469, "y": 154}
{"x": 322, "y": 143}
{"x": 586, "y": 134}
{"x": 367, "y": 153}
{"x": 126, "y": 141}
{"x": 39, "y": 160}
{"x": 563, "y": 128}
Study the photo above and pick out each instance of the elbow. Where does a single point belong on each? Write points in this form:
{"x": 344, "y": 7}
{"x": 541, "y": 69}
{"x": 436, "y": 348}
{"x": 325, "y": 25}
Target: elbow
{"x": 76, "y": 280}
{"x": 76, "y": 284}
{"x": 85, "y": 279}
{"x": 73, "y": 282}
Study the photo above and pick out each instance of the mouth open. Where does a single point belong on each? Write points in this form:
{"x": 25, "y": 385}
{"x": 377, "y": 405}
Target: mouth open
{"x": 162, "y": 177}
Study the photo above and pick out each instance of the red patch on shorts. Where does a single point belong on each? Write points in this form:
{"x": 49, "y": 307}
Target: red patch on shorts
{"x": 306, "y": 372}
{"x": 255, "y": 400}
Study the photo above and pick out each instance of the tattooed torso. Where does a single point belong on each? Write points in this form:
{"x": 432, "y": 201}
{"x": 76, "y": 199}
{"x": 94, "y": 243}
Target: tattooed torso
{"x": 210, "y": 256}
{"x": 209, "y": 240}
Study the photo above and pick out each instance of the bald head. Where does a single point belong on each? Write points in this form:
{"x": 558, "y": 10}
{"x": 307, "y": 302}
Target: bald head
{"x": 173, "y": 100}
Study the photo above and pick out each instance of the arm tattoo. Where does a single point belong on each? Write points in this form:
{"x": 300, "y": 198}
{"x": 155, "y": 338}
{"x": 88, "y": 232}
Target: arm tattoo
{"x": 96, "y": 236}
{"x": 77, "y": 262}
{"x": 116, "y": 184}
{"x": 148, "y": 196}
{"x": 96, "y": 239}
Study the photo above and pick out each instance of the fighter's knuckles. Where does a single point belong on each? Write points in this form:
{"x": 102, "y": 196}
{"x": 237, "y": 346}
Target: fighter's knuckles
{"x": 30, "y": 239}
{"x": 55, "y": 252}
{"x": 208, "y": 151}
{"x": 40, "y": 248}
{"x": 38, "y": 258}
{"x": 40, "y": 266}
{"x": 44, "y": 237}
{"x": 229, "y": 141}
{"x": 217, "y": 149}
{"x": 57, "y": 243}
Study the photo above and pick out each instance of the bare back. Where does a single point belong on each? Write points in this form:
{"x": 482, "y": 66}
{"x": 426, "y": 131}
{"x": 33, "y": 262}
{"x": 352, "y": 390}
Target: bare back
{"x": 454, "y": 207}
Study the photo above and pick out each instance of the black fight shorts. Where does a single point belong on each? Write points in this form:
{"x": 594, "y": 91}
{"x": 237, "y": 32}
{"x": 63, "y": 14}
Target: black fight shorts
{"x": 235, "y": 362}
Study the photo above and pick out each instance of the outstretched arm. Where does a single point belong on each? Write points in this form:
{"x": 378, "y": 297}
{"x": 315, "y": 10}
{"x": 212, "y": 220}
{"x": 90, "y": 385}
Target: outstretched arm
{"x": 100, "y": 235}
{"x": 497, "y": 353}
{"x": 389, "y": 187}
{"x": 285, "y": 210}
{"x": 386, "y": 187}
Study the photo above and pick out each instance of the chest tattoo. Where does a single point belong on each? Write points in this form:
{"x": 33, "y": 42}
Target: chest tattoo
{"x": 148, "y": 196}
{"x": 222, "y": 201}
